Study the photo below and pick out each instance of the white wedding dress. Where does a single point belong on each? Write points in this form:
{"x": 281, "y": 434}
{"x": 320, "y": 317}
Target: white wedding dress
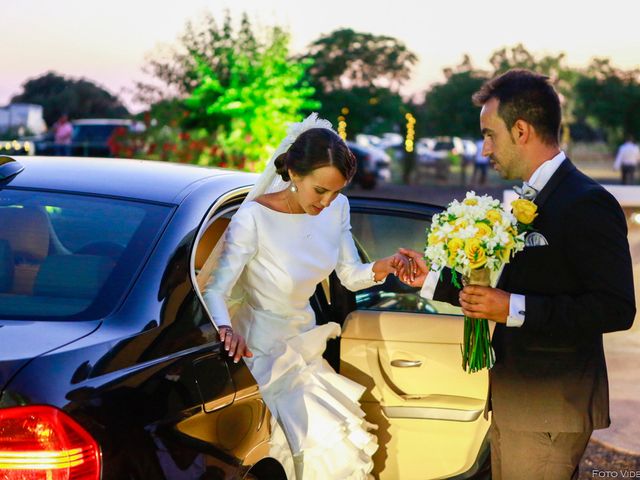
{"x": 277, "y": 259}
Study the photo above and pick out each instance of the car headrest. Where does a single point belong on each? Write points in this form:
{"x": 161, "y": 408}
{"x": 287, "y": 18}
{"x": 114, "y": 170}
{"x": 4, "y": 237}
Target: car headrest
{"x": 6, "y": 266}
{"x": 27, "y": 231}
{"x": 72, "y": 276}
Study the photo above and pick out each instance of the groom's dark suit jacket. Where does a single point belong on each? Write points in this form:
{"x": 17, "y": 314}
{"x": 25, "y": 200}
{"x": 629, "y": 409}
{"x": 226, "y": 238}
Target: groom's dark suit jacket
{"x": 550, "y": 374}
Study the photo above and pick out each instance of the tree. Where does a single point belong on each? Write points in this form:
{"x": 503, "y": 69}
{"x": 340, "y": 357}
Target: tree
{"x": 240, "y": 85}
{"x": 609, "y": 98}
{"x": 264, "y": 91}
{"x": 78, "y": 98}
{"x": 345, "y": 59}
{"x": 361, "y": 72}
{"x": 448, "y": 109}
{"x": 175, "y": 70}
{"x": 366, "y": 110}
{"x": 561, "y": 76}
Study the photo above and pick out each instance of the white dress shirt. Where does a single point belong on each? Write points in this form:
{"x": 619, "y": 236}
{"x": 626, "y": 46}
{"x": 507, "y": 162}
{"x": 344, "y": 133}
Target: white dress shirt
{"x": 628, "y": 155}
{"x": 517, "y": 310}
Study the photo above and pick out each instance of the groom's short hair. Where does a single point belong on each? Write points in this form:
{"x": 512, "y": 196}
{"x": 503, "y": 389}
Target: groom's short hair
{"x": 524, "y": 95}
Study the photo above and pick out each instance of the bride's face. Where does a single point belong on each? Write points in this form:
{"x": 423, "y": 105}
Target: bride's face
{"x": 318, "y": 189}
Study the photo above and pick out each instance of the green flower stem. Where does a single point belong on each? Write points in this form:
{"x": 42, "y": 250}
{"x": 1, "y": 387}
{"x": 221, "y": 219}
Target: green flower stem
{"x": 476, "y": 348}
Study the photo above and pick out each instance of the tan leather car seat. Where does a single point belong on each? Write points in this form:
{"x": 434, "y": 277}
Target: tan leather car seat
{"x": 27, "y": 232}
{"x": 209, "y": 239}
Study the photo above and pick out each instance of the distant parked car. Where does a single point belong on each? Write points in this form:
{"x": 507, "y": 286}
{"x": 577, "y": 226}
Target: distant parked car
{"x": 392, "y": 140}
{"x": 369, "y": 140}
{"x": 438, "y": 157}
{"x": 447, "y": 146}
{"x": 43, "y": 144}
{"x": 91, "y": 137}
{"x": 373, "y": 165}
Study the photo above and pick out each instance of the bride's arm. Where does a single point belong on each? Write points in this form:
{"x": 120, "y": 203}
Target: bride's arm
{"x": 354, "y": 274}
{"x": 239, "y": 247}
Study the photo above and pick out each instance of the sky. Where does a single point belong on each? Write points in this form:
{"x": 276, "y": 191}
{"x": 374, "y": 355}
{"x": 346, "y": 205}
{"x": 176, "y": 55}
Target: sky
{"x": 108, "y": 41}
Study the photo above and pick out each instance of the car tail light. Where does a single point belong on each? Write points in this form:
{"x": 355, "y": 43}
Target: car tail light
{"x": 43, "y": 443}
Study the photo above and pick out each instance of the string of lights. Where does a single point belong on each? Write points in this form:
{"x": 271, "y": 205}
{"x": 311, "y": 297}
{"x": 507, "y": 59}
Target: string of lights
{"x": 411, "y": 132}
{"x": 342, "y": 123}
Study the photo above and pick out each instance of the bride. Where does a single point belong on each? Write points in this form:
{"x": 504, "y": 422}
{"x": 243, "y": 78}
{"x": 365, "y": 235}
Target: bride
{"x": 291, "y": 232}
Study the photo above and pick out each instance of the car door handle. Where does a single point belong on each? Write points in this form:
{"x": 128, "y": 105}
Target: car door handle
{"x": 406, "y": 363}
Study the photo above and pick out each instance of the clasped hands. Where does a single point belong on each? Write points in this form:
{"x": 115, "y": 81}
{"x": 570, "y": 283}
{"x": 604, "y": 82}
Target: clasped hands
{"x": 476, "y": 301}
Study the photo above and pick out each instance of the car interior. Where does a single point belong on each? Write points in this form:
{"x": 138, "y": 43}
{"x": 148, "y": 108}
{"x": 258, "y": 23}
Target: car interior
{"x": 404, "y": 349}
{"x": 36, "y": 268}
{"x": 56, "y": 259}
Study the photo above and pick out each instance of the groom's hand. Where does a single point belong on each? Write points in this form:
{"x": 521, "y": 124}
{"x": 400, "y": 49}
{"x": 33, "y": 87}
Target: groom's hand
{"x": 485, "y": 302}
{"x": 418, "y": 270}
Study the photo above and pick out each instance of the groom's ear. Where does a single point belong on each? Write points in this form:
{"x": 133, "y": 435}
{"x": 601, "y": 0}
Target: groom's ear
{"x": 521, "y": 132}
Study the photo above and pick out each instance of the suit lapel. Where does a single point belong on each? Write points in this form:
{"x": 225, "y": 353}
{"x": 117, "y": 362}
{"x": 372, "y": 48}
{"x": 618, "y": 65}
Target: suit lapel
{"x": 563, "y": 170}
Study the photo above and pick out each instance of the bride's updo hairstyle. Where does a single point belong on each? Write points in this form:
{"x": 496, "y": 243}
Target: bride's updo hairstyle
{"x": 316, "y": 148}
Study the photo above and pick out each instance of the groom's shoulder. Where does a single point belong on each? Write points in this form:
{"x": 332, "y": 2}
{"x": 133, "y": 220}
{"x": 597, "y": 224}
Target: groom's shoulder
{"x": 580, "y": 188}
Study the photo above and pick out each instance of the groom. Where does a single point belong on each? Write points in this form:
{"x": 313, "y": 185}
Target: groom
{"x": 554, "y": 300}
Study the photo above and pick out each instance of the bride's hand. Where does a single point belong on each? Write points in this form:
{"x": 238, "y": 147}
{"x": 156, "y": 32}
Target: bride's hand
{"x": 418, "y": 271}
{"x": 395, "y": 264}
{"x": 234, "y": 343}
{"x": 399, "y": 264}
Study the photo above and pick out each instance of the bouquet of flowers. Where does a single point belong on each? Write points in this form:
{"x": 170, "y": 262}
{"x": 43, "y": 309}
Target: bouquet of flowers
{"x": 474, "y": 238}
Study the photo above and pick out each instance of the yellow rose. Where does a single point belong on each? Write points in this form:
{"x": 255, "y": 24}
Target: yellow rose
{"x": 475, "y": 253}
{"x": 494, "y": 216}
{"x": 470, "y": 201}
{"x": 524, "y": 210}
{"x": 454, "y": 245}
{"x": 434, "y": 238}
{"x": 484, "y": 230}
{"x": 505, "y": 254}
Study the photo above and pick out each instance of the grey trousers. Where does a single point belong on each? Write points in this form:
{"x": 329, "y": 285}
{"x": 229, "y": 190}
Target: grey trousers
{"x": 522, "y": 455}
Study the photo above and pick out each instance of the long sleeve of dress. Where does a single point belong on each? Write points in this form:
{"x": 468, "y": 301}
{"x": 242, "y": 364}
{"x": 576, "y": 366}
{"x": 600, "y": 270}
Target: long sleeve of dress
{"x": 353, "y": 274}
{"x": 240, "y": 246}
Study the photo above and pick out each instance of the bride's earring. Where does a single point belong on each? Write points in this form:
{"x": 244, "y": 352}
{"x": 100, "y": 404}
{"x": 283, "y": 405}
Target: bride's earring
{"x": 293, "y": 188}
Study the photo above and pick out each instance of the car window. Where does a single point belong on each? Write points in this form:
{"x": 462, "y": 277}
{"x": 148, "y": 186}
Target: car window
{"x": 70, "y": 257}
{"x": 92, "y": 133}
{"x": 443, "y": 146}
{"x": 379, "y": 235}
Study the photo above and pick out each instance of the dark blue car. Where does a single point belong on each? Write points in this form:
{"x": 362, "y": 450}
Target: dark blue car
{"x": 110, "y": 365}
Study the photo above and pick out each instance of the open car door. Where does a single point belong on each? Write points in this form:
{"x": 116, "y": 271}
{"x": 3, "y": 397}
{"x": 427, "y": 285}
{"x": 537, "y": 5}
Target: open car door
{"x": 406, "y": 351}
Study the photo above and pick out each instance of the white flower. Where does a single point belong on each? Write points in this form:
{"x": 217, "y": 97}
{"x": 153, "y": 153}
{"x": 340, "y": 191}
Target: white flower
{"x": 458, "y": 221}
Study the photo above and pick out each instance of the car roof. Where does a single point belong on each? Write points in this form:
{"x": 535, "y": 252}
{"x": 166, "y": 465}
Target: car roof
{"x": 148, "y": 180}
{"x": 102, "y": 121}
{"x": 355, "y": 146}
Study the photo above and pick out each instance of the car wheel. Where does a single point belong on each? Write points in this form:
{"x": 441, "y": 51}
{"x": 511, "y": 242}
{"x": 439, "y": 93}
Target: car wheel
{"x": 267, "y": 469}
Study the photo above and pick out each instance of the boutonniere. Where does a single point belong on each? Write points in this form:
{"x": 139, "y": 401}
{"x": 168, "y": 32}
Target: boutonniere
{"x": 525, "y": 212}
